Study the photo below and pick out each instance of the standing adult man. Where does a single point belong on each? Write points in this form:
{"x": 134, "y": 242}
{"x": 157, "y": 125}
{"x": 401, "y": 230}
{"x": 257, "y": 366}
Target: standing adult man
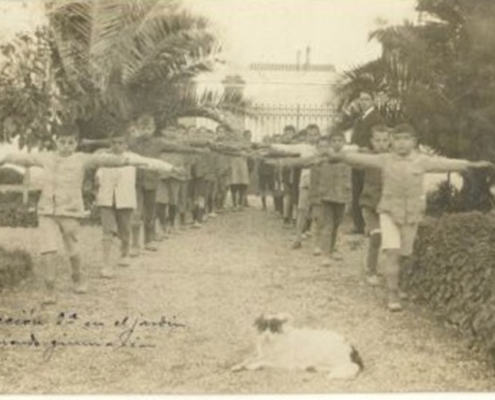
{"x": 361, "y": 136}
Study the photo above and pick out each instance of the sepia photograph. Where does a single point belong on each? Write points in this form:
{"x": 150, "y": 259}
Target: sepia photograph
{"x": 247, "y": 197}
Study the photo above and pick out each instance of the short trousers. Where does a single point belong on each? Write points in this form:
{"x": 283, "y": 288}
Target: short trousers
{"x": 266, "y": 183}
{"x": 116, "y": 221}
{"x": 198, "y": 188}
{"x": 145, "y": 205}
{"x": 183, "y": 196}
{"x": 58, "y": 233}
{"x": 168, "y": 192}
{"x": 397, "y": 236}
{"x": 210, "y": 188}
{"x": 371, "y": 220}
{"x": 316, "y": 211}
{"x": 303, "y": 200}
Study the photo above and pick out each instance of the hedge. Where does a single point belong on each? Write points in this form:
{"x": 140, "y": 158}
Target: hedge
{"x": 14, "y": 267}
{"x": 454, "y": 272}
{"x": 14, "y": 214}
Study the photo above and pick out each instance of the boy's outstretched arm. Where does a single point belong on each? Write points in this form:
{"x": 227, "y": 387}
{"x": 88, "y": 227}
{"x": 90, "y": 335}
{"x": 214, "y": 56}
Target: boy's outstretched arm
{"x": 354, "y": 159}
{"x": 444, "y": 164}
{"x": 22, "y": 159}
{"x": 151, "y": 163}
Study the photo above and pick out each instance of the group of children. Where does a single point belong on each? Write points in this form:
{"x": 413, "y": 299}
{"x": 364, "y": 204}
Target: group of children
{"x": 392, "y": 200}
{"x": 144, "y": 178}
{"x": 148, "y": 178}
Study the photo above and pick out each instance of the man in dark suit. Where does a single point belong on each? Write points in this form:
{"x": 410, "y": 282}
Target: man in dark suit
{"x": 361, "y": 136}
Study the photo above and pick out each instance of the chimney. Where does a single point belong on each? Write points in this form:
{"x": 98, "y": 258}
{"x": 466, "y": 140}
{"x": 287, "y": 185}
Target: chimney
{"x": 298, "y": 60}
{"x": 308, "y": 57}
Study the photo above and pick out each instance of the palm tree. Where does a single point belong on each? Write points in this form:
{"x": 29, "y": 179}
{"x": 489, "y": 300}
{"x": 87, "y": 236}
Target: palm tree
{"x": 130, "y": 53}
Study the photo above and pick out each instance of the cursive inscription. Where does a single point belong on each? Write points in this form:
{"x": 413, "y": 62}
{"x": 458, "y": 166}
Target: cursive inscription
{"x": 70, "y": 329}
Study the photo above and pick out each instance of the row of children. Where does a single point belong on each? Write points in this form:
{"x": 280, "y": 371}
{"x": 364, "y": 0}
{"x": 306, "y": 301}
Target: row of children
{"x": 392, "y": 200}
{"x": 141, "y": 173}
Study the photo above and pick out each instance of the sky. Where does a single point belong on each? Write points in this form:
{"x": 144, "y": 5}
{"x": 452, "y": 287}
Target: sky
{"x": 274, "y": 30}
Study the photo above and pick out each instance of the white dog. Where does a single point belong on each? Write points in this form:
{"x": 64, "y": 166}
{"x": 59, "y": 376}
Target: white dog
{"x": 280, "y": 345}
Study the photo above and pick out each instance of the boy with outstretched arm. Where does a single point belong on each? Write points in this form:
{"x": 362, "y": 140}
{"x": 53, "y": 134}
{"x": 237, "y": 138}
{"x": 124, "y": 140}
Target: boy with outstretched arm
{"x": 369, "y": 200}
{"x": 117, "y": 199}
{"x": 402, "y": 201}
{"x": 61, "y": 204}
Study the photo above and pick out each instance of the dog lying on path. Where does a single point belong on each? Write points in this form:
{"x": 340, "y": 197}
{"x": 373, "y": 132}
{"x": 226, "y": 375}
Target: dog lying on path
{"x": 282, "y": 346}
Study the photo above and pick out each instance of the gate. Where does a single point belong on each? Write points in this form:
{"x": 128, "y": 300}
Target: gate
{"x": 270, "y": 119}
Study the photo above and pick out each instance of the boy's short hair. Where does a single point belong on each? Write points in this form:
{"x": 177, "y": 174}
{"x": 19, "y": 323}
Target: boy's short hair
{"x": 323, "y": 138}
{"x": 67, "y": 129}
{"x": 119, "y": 135}
{"x": 335, "y": 132}
{"x": 404, "y": 128}
{"x": 290, "y": 128}
{"x": 313, "y": 126}
{"x": 379, "y": 128}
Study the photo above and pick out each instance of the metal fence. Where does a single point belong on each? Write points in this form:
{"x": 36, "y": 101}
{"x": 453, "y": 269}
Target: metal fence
{"x": 270, "y": 119}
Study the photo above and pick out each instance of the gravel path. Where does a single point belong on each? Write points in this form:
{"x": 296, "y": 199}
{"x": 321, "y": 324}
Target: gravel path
{"x": 210, "y": 285}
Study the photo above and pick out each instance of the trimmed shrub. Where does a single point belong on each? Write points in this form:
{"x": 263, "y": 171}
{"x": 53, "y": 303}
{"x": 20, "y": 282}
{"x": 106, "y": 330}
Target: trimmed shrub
{"x": 15, "y": 266}
{"x": 14, "y": 214}
{"x": 445, "y": 199}
{"x": 454, "y": 272}
{"x": 10, "y": 176}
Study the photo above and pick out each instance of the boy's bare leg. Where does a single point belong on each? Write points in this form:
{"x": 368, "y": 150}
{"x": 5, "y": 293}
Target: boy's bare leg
{"x": 49, "y": 265}
{"x": 124, "y": 233}
{"x": 404, "y": 269}
{"x": 106, "y": 267}
{"x": 374, "y": 244}
{"x": 263, "y": 200}
{"x": 136, "y": 233}
{"x": 80, "y": 286}
{"x": 316, "y": 230}
{"x": 287, "y": 207}
{"x": 337, "y": 217}
{"x": 302, "y": 216}
{"x": 392, "y": 268}
{"x": 326, "y": 233}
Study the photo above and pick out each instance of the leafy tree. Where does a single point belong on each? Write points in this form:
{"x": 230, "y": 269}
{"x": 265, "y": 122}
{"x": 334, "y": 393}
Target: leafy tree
{"x": 33, "y": 96}
{"x": 438, "y": 74}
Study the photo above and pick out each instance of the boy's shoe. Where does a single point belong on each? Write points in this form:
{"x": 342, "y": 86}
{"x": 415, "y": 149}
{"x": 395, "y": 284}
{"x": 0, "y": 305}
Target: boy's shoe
{"x": 212, "y": 215}
{"x": 106, "y": 273}
{"x": 197, "y": 225}
{"x": 394, "y": 303}
{"x": 317, "y": 251}
{"x": 81, "y": 288}
{"x": 297, "y": 245}
{"x": 134, "y": 252}
{"x": 161, "y": 237}
{"x": 326, "y": 262}
{"x": 373, "y": 280}
{"x": 124, "y": 262}
{"x": 49, "y": 298}
{"x": 150, "y": 247}
{"x": 337, "y": 256}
